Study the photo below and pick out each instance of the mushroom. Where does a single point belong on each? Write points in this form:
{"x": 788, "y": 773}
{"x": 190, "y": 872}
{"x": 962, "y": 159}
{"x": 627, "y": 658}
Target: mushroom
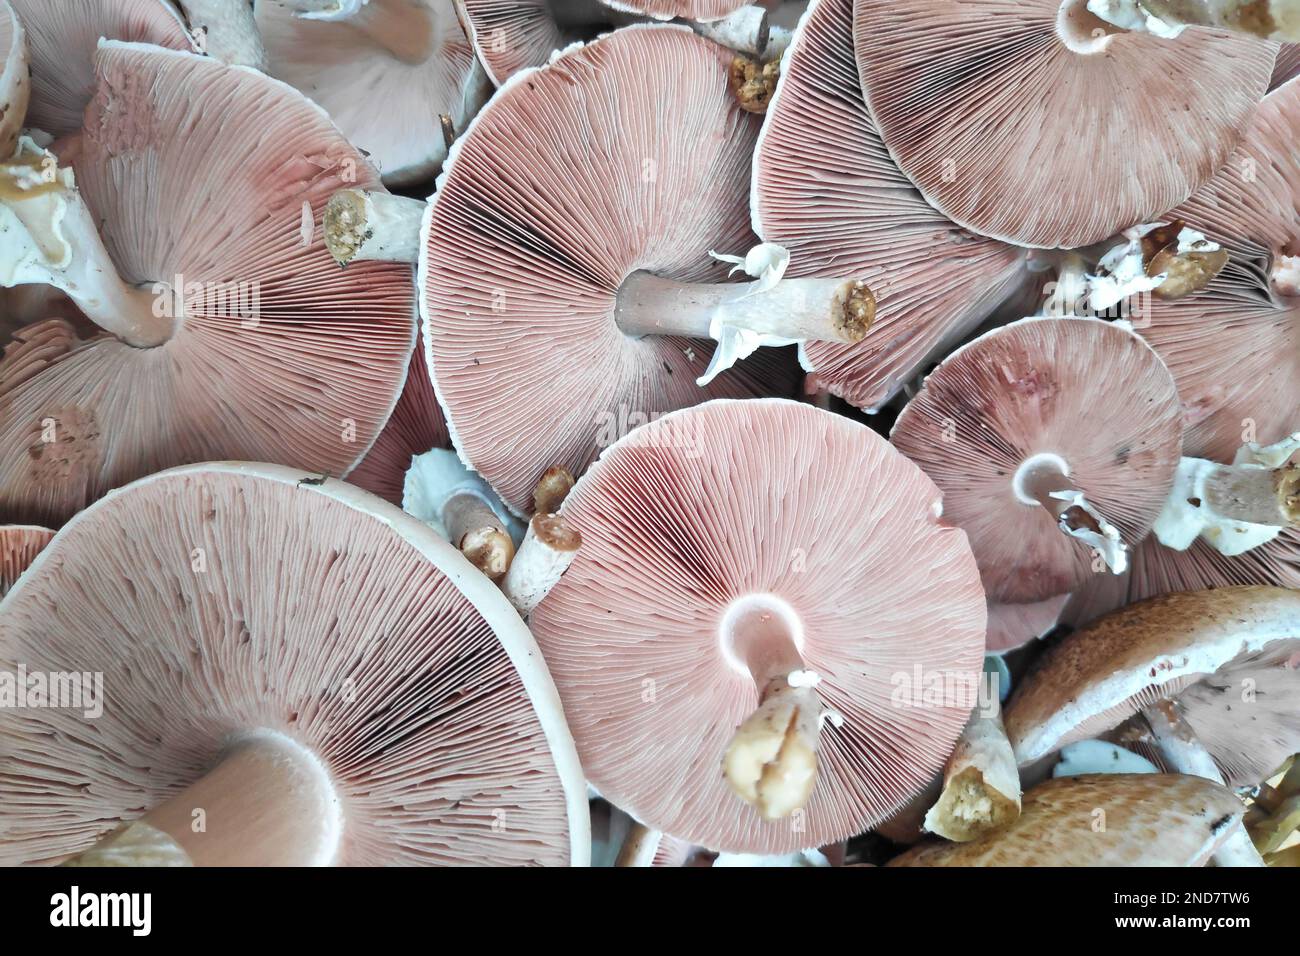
{"x": 979, "y": 104}
{"x": 1287, "y": 66}
{"x": 1234, "y": 349}
{"x": 416, "y": 426}
{"x": 226, "y": 31}
{"x": 1014, "y": 625}
{"x": 825, "y": 188}
{"x": 560, "y": 282}
{"x": 63, "y": 37}
{"x": 514, "y": 35}
{"x": 19, "y": 545}
{"x": 770, "y": 631}
{"x": 460, "y": 506}
{"x": 1211, "y": 673}
{"x": 1051, "y": 483}
{"x": 293, "y": 672}
{"x": 1268, "y": 20}
{"x": 1102, "y": 820}
{"x": 227, "y": 330}
{"x": 1100, "y": 756}
{"x": 15, "y": 79}
{"x": 385, "y": 70}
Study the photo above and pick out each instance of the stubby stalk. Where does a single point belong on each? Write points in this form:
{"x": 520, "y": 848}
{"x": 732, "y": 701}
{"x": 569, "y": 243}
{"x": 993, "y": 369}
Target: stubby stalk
{"x": 402, "y": 27}
{"x": 372, "y": 224}
{"x": 981, "y": 783}
{"x": 1178, "y": 745}
{"x": 226, "y": 30}
{"x": 474, "y": 528}
{"x": 268, "y": 802}
{"x": 553, "y": 487}
{"x": 1044, "y": 480}
{"x": 753, "y": 82}
{"x": 49, "y": 237}
{"x": 1266, "y": 19}
{"x": 136, "y": 844}
{"x": 547, "y": 551}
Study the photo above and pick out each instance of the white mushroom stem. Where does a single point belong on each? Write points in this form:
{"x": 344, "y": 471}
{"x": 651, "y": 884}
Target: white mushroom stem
{"x": 745, "y": 30}
{"x": 552, "y": 488}
{"x": 640, "y": 846}
{"x": 403, "y": 28}
{"x": 1233, "y": 507}
{"x": 771, "y": 761}
{"x": 269, "y": 802}
{"x": 548, "y": 549}
{"x": 981, "y": 783}
{"x": 1267, "y": 19}
{"x": 136, "y": 844}
{"x": 48, "y": 237}
{"x": 474, "y": 528}
{"x": 1044, "y": 480}
{"x": 364, "y": 224}
{"x": 1183, "y": 752}
{"x": 831, "y": 310}
{"x": 226, "y": 30}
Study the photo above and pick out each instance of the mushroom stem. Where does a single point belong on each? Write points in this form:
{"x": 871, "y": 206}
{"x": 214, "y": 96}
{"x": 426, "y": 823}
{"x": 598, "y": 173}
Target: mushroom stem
{"x": 49, "y": 238}
{"x": 268, "y": 802}
{"x": 136, "y": 844}
{"x": 553, "y": 487}
{"x": 473, "y": 527}
{"x": 752, "y": 82}
{"x": 1179, "y": 747}
{"x": 1284, "y": 275}
{"x": 365, "y": 224}
{"x": 228, "y": 31}
{"x": 745, "y": 30}
{"x": 981, "y": 783}
{"x": 1267, "y": 19}
{"x": 402, "y": 27}
{"x": 1044, "y": 480}
{"x": 771, "y": 761}
{"x": 1269, "y": 496}
{"x": 548, "y": 548}
{"x": 830, "y": 310}
{"x": 640, "y": 846}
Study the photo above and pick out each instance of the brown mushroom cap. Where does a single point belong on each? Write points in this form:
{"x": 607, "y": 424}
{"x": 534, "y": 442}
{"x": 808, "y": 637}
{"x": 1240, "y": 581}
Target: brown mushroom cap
{"x": 223, "y": 600}
{"x": 280, "y": 355}
{"x": 825, "y": 188}
{"x": 1010, "y": 132}
{"x": 63, "y": 36}
{"x": 568, "y": 181}
{"x": 1100, "y": 676}
{"x": 1147, "y": 820}
{"x": 19, "y": 546}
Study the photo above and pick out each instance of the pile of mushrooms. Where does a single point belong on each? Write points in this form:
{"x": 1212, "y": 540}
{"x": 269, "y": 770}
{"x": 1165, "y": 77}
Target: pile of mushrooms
{"x": 649, "y": 433}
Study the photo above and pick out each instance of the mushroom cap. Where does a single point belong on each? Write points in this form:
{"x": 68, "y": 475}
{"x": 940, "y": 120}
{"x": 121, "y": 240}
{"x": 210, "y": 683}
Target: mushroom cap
{"x": 62, "y": 37}
{"x": 769, "y": 497}
{"x": 319, "y": 612}
{"x": 825, "y": 188}
{"x": 19, "y": 545}
{"x": 1287, "y": 66}
{"x": 1032, "y": 388}
{"x": 979, "y": 104}
{"x": 510, "y": 35}
{"x": 282, "y": 357}
{"x": 1150, "y": 820}
{"x": 701, "y": 11}
{"x": 1100, "y": 676}
{"x": 1234, "y": 348}
{"x": 1014, "y": 625}
{"x": 416, "y": 426}
{"x": 387, "y": 107}
{"x": 570, "y": 179}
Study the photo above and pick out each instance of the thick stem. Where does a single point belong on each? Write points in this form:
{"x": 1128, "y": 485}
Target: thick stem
{"x": 745, "y": 30}
{"x": 771, "y": 761}
{"x": 473, "y": 527}
{"x": 402, "y": 27}
{"x": 136, "y": 844}
{"x": 1180, "y": 749}
{"x": 547, "y": 550}
{"x": 1044, "y": 480}
{"x": 753, "y": 82}
{"x": 831, "y": 310}
{"x": 1267, "y": 19}
{"x": 981, "y": 783}
{"x": 225, "y": 30}
{"x": 52, "y": 240}
{"x": 555, "y": 484}
{"x": 640, "y": 847}
{"x": 269, "y": 802}
{"x": 363, "y": 224}
{"x": 1267, "y": 496}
